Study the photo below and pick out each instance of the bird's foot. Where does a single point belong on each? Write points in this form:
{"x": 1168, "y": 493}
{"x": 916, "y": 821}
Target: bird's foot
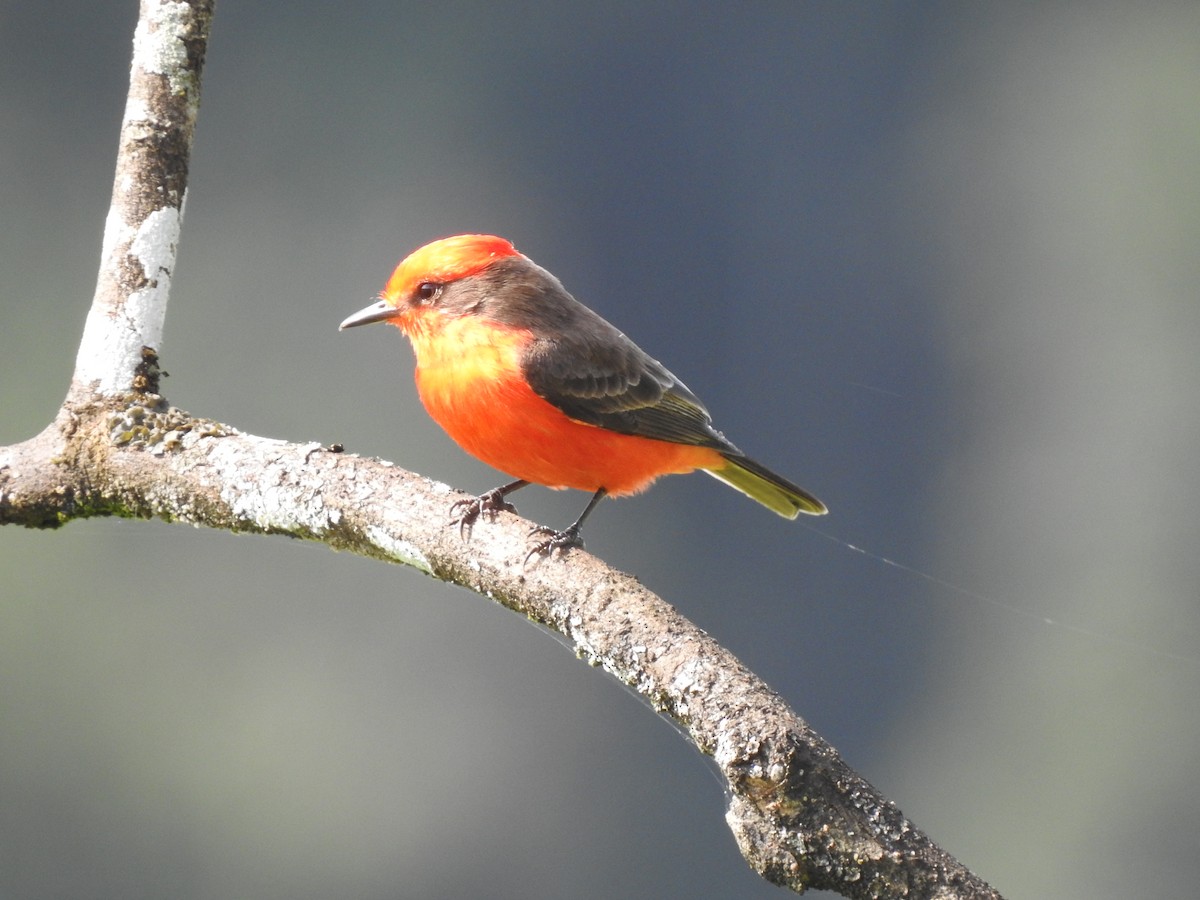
{"x": 566, "y": 539}
{"x": 464, "y": 513}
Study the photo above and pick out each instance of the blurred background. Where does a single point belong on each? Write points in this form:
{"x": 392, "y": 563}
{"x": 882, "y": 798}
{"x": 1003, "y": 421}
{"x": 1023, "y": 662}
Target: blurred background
{"x": 936, "y": 263}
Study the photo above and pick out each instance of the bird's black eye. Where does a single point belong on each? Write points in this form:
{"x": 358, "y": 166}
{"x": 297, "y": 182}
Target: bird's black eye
{"x": 428, "y": 291}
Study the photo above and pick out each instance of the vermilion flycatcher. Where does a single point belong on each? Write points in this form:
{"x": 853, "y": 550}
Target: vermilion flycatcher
{"x": 529, "y": 380}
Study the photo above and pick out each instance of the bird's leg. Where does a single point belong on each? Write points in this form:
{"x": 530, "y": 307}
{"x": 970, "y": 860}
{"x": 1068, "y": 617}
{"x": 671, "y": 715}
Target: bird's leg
{"x": 568, "y": 537}
{"x": 465, "y": 512}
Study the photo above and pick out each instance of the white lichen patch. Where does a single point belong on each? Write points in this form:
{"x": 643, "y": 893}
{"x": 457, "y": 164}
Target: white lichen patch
{"x": 115, "y": 333}
{"x": 157, "y": 43}
{"x": 401, "y": 551}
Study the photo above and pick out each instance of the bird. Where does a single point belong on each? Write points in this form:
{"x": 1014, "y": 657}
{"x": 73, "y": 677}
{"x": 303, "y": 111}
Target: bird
{"x": 532, "y": 382}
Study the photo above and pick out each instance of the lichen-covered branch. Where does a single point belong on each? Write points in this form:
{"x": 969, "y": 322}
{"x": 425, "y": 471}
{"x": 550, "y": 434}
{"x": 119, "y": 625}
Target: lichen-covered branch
{"x": 802, "y": 818}
{"x": 141, "y": 232}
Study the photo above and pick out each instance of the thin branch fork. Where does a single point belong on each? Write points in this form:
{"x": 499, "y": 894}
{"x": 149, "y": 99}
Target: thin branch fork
{"x": 801, "y": 816}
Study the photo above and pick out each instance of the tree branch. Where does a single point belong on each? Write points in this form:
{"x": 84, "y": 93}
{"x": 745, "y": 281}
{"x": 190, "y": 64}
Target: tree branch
{"x": 141, "y": 233}
{"x": 801, "y": 816}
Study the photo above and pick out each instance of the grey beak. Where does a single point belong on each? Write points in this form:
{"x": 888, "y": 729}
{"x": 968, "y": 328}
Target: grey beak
{"x": 380, "y": 311}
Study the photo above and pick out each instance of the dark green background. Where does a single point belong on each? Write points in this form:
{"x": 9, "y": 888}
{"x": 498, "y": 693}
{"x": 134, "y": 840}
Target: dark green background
{"x": 936, "y": 263}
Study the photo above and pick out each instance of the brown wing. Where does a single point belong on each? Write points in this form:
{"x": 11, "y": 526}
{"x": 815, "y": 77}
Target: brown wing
{"x": 582, "y": 364}
{"x": 613, "y": 384}
{"x": 597, "y": 375}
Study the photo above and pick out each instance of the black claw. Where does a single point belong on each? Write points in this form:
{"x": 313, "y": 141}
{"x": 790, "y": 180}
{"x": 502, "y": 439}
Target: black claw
{"x": 556, "y": 540}
{"x": 464, "y": 513}
{"x": 567, "y": 538}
